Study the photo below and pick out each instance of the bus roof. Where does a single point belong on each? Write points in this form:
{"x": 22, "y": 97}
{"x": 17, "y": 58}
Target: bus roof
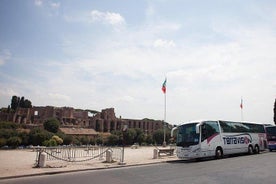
{"x": 202, "y": 120}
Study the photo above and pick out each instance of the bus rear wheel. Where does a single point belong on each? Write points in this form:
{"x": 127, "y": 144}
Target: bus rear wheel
{"x": 219, "y": 153}
{"x": 257, "y": 149}
{"x": 250, "y": 150}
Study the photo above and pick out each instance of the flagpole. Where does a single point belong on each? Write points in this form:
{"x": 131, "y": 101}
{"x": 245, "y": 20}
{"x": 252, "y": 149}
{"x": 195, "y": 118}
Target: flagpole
{"x": 165, "y": 106}
{"x": 241, "y": 115}
{"x": 164, "y": 122}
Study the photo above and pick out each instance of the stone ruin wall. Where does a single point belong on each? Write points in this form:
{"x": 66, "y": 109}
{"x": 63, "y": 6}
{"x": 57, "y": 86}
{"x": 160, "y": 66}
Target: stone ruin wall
{"x": 104, "y": 121}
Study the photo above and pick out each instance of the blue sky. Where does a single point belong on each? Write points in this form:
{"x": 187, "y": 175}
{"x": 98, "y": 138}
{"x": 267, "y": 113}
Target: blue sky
{"x": 100, "y": 54}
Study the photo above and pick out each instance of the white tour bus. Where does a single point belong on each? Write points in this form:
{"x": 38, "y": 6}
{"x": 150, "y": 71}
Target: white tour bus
{"x": 200, "y": 139}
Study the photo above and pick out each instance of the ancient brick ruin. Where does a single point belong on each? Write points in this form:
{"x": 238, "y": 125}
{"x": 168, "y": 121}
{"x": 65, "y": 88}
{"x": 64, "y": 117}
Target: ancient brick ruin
{"x": 104, "y": 121}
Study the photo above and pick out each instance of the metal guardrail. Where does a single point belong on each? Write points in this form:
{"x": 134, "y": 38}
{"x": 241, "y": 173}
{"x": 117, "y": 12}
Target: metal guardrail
{"x": 77, "y": 153}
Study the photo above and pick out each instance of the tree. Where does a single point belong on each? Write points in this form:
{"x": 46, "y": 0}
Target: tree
{"x": 38, "y": 136}
{"x": 140, "y": 136}
{"x": 76, "y": 141}
{"x": 7, "y": 133}
{"x": 129, "y": 136}
{"x": 21, "y": 102}
{"x": 68, "y": 139}
{"x": 3, "y": 142}
{"x": 14, "y": 102}
{"x": 14, "y": 141}
{"x": 84, "y": 140}
{"x": 51, "y": 142}
{"x": 8, "y": 125}
{"x": 148, "y": 139}
{"x": 275, "y": 111}
{"x": 112, "y": 140}
{"x": 27, "y": 103}
{"x": 99, "y": 140}
{"x": 24, "y": 137}
{"x": 158, "y": 136}
{"x": 51, "y": 125}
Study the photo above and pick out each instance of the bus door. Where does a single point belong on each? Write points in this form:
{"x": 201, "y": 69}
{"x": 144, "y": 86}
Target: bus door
{"x": 210, "y": 138}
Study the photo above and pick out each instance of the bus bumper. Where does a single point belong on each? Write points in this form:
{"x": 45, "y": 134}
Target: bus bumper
{"x": 186, "y": 154}
{"x": 272, "y": 145}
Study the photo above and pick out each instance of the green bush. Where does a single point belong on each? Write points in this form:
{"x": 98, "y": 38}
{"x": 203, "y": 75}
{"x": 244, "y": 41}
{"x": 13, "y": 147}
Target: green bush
{"x": 58, "y": 140}
{"x": 8, "y": 125}
{"x": 68, "y": 139}
{"x": 112, "y": 140}
{"x": 3, "y": 142}
{"x": 38, "y": 136}
{"x": 14, "y": 142}
{"x": 52, "y": 125}
{"x": 50, "y": 143}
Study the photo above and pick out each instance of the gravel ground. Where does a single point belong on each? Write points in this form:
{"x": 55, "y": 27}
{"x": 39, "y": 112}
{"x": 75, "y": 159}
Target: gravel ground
{"x": 15, "y": 163}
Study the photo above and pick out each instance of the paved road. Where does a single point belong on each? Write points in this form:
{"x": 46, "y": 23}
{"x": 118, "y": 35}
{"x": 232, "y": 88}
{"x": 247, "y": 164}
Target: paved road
{"x": 253, "y": 169}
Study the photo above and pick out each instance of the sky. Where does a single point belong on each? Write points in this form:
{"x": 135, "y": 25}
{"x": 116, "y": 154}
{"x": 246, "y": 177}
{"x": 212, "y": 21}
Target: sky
{"x": 116, "y": 54}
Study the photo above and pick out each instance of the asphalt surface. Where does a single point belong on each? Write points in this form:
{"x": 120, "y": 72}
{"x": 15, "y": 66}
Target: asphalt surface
{"x": 253, "y": 169}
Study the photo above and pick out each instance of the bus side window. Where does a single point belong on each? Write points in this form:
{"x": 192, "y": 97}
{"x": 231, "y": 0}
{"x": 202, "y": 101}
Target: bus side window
{"x": 204, "y": 132}
{"x": 209, "y": 128}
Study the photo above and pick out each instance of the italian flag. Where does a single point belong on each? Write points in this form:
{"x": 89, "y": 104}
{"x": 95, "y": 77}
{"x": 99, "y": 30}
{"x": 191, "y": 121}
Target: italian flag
{"x": 164, "y": 86}
{"x": 241, "y": 105}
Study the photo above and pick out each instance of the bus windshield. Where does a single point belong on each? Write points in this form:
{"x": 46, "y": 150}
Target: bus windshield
{"x": 187, "y": 136}
{"x": 271, "y": 133}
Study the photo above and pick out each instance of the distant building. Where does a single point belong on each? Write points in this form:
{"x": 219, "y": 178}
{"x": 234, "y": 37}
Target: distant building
{"x": 101, "y": 122}
{"x": 88, "y": 132}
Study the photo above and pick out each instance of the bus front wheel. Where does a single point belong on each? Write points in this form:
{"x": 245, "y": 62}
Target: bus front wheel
{"x": 219, "y": 153}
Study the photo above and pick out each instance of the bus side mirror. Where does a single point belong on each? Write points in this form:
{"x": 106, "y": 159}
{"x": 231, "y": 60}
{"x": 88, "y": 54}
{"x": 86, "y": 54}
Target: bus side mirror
{"x": 172, "y": 131}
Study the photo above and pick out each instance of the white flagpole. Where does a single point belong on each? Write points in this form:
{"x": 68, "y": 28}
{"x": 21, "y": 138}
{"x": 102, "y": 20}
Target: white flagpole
{"x": 241, "y": 115}
{"x": 164, "y": 89}
{"x": 164, "y": 123}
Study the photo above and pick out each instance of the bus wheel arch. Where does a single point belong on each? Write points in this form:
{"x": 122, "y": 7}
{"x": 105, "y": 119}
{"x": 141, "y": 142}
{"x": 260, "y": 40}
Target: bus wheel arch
{"x": 257, "y": 149}
{"x": 219, "y": 152}
{"x": 250, "y": 149}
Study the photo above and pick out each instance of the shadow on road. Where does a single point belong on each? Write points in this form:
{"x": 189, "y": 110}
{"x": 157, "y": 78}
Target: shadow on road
{"x": 207, "y": 159}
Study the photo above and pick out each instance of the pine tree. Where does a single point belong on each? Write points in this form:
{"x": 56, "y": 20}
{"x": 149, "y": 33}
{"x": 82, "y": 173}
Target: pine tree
{"x": 14, "y": 102}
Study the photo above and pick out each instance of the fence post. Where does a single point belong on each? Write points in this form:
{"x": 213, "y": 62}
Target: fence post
{"x": 42, "y": 160}
{"x": 109, "y": 156}
{"x": 155, "y": 154}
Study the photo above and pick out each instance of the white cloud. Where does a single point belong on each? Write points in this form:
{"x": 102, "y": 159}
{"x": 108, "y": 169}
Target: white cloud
{"x": 38, "y": 2}
{"x": 8, "y": 92}
{"x": 57, "y": 96}
{"x": 107, "y": 17}
{"x": 55, "y": 5}
{"x": 5, "y": 55}
{"x": 150, "y": 11}
{"x": 163, "y": 43}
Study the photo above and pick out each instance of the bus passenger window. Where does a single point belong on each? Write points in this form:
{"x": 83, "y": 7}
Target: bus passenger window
{"x": 209, "y": 128}
{"x": 204, "y": 133}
